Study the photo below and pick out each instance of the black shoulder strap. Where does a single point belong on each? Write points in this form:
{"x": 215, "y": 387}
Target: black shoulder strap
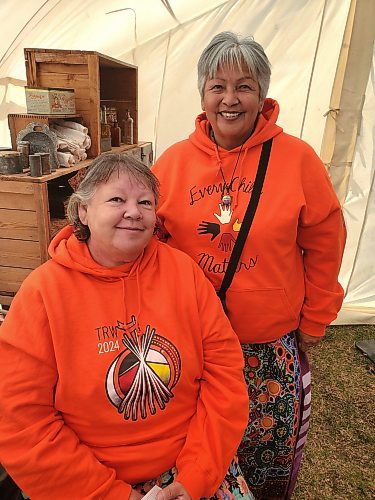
{"x": 247, "y": 220}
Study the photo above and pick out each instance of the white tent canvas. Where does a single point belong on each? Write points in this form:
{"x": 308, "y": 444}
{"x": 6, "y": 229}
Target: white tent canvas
{"x": 358, "y": 269}
{"x": 303, "y": 39}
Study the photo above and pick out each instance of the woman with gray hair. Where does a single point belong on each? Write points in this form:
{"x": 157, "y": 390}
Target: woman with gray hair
{"x": 119, "y": 370}
{"x": 254, "y": 207}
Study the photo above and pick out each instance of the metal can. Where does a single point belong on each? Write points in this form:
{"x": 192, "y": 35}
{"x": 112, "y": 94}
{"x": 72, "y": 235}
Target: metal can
{"x": 10, "y": 162}
{"x": 35, "y": 162}
{"x": 23, "y": 147}
{"x": 46, "y": 163}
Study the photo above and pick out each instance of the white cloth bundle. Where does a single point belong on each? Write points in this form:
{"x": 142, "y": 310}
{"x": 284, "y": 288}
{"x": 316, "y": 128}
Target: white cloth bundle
{"x": 81, "y": 153}
{"x": 70, "y": 140}
{"x": 67, "y": 146}
{"x": 79, "y": 138}
{"x": 65, "y": 159}
{"x": 73, "y": 125}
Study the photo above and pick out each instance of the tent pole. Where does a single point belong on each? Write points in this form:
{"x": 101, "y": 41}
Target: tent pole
{"x": 344, "y": 114}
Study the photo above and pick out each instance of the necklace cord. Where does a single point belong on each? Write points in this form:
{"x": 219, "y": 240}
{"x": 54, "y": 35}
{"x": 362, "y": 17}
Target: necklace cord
{"x": 226, "y": 185}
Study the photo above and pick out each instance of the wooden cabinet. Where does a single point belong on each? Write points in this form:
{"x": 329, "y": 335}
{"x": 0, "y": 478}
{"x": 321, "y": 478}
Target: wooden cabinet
{"x": 96, "y": 79}
{"x": 31, "y": 212}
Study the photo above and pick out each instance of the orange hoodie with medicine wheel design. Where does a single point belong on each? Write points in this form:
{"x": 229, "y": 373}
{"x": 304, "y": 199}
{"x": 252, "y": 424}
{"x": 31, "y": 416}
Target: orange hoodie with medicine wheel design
{"x": 111, "y": 376}
{"x": 287, "y": 276}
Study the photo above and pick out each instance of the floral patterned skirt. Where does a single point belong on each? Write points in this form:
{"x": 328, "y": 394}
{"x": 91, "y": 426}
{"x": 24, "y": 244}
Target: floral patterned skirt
{"x": 271, "y": 449}
{"x": 232, "y": 488}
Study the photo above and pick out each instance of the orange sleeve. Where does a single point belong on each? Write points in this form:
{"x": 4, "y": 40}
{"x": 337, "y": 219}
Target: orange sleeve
{"x": 222, "y": 410}
{"x": 43, "y": 456}
{"x": 322, "y": 236}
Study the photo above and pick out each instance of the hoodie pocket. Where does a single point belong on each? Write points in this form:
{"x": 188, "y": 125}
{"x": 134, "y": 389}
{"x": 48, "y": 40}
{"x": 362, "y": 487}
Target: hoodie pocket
{"x": 261, "y": 315}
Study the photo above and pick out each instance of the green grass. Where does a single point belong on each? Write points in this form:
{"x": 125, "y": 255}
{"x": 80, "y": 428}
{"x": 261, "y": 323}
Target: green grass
{"x": 339, "y": 455}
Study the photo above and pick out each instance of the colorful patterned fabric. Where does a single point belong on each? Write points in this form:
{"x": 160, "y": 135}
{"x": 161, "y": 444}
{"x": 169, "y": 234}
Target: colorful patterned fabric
{"x": 304, "y": 419}
{"x": 267, "y": 452}
{"x": 233, "y": 487}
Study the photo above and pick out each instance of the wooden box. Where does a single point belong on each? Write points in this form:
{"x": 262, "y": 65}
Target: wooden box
{"x": 95, "y": 78}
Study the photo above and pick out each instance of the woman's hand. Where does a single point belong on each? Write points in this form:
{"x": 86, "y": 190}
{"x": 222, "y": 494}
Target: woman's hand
{"x": 134, "y": 495}
{"x": 306, "y": 341}
{"x": 172, "y": 492}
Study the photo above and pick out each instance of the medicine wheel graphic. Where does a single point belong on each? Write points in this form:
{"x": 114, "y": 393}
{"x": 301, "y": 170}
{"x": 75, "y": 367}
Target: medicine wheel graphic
{"x": 142, "y": 376}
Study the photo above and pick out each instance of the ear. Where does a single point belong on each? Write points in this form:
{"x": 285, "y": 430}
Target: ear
{"x": 82, "y": 213}
{"x": 202, "y": 105}
{"x": 260, "y": 107}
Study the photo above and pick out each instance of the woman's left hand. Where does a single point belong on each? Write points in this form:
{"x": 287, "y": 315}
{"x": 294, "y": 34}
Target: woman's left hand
{"x": 172, "y": 492}
{"x": 306, "y": 341}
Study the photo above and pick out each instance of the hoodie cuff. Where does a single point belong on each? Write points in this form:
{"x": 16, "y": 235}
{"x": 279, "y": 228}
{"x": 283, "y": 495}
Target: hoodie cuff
{"x": 194, "y": 480}
{"x": 313, "y": 329}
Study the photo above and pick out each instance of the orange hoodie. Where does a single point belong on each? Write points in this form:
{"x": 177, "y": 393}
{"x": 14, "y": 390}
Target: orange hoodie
{"x": 109, "y": 377}
{"x": 287, "y": 274}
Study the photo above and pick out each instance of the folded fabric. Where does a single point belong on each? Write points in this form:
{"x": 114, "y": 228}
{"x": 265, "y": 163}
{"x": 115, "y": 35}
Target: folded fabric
{"x": 73, "y": 125}
{"x": 81, "y": 153}
{"x": 65, "y": 159}
{"x": 79, "y": 138}
{"x": 67, "y": 146}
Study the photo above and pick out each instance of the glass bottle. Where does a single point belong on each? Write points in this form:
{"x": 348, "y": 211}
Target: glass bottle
{"x": 128, "y": 126}
{"x": 105, "y": 131}
{"x": 115, "y": 135}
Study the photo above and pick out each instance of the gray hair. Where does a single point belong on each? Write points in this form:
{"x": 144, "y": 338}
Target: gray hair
{"x": 229, "y": 49}
{"x": 99, "y": 172}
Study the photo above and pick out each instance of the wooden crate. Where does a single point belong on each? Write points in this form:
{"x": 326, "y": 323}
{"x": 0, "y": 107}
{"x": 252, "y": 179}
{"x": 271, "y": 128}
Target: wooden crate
{"x": 96, "y": 79}
{"x": 21, "y": 234}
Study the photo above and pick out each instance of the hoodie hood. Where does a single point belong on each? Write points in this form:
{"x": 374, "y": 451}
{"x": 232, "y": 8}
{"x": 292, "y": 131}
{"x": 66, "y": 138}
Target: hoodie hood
{"x": 66, "y": 250}
{"x": 265, "y": 129}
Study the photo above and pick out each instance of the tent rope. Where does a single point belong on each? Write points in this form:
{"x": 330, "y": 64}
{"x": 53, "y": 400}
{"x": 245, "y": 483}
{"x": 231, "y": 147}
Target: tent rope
{"x": 170, "y": 10}
{"x": 313, "y": 68}
{"x": 160, "y": 95}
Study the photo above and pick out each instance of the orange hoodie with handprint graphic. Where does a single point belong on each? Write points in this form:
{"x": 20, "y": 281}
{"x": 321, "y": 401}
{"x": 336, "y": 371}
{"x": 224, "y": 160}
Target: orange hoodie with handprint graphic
{"x": 287, "y": 276}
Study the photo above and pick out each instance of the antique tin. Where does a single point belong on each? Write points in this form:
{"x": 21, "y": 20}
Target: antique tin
{"x": 46, "y": 164}
{"x": 35, "y": 162}
{"x": 50, "y": 101}
{"x": 10, "y": 162}
{"x": 23, "y": 147}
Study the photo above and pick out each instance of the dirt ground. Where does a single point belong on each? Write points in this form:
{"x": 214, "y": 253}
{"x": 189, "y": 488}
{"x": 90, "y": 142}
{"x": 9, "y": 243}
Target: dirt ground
{"x": 339, "y": 455}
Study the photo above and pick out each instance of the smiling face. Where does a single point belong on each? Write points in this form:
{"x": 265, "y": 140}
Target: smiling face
{"x": 121, "y": 218}
{"x": 232, "y": 103}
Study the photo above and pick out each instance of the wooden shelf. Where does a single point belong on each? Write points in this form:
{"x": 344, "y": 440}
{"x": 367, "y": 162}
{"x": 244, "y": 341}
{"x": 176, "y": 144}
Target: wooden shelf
{"x": 62, "y": 171}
